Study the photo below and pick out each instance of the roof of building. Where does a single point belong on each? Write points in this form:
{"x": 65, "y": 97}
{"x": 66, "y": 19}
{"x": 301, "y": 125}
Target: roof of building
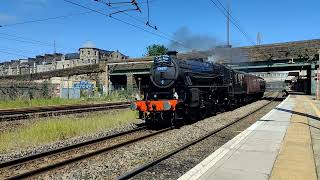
{"x": 103, "y": 51}
{"x": 72, "y": 56}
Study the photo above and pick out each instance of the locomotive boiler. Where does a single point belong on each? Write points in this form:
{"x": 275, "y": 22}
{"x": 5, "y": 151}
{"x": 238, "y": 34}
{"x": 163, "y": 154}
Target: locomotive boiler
{"x": 188, "y": 90}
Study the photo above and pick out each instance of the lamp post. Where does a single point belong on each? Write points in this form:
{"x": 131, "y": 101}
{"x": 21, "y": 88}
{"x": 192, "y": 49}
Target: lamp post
{"x": 139, "y": 79}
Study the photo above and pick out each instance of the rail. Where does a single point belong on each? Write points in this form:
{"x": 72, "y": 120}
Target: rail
{"x": 26, "y": 113}
{"x": 150, "y": 164}
{"x": 50, "y": 166}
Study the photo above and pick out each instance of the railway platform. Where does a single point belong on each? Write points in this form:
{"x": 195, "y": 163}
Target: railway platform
{"x": 283, "y": 145}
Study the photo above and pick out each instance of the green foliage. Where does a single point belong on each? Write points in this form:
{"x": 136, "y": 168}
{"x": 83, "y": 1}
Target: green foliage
{"x": 117, "y": 96}
{"x": 156, "y": 50}
{"x": 114, "y": 96}
{"x": 53, "y": 129}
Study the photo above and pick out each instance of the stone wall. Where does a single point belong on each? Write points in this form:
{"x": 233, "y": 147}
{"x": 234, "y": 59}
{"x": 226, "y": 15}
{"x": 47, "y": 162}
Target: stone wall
{"x": 12, "y": 90}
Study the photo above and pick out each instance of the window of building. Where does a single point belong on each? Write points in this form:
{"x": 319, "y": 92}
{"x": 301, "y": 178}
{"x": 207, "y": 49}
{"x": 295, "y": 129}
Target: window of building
{"x": 95, "y": 53}
{"x": 88, "y": 52}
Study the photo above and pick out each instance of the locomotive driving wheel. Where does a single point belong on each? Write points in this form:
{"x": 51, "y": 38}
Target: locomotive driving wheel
{"x": 202, "y": 112}
{"x": 192, "y": 115}
{"x": 212, "y": 109}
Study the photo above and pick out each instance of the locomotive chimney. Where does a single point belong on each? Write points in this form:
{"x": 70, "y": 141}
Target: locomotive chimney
{"x": 172, "y": 54}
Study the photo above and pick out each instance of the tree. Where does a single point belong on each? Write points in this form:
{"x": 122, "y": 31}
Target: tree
{"x": 156, "y": 50}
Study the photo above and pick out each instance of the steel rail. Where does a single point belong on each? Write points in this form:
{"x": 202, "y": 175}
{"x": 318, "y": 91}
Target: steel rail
{"x": 54, "y": 108}
{"x": 150, "y": 164}
{"x": 66, "y": 148}
{"x": 83, "y": 156}
{"x": 25, "y": 113}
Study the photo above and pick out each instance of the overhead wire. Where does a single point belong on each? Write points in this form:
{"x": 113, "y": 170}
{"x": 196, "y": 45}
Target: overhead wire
{"x": 55, "y": 17}
{"x": 46, "y": 19}
{"x": 148, "y": 22}
{"x": 168, "y": 37}
{"x": 127, "y": 14}
{"x": 236, "y": 22}
{"x": 19, "y": 50}
{"x": 21, "y": 39}
{"x": 225, "y": 12}
{"x": 27, "y": 40}
{"x": 127, "y": 23}
{"x": 10, "y": 53}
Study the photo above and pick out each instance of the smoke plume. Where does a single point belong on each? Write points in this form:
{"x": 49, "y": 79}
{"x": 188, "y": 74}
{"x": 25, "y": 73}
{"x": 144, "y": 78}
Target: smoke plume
{"x": 227, "y": 55}
{"x": 191, "y": 41}
{"x": 205, "y": 46}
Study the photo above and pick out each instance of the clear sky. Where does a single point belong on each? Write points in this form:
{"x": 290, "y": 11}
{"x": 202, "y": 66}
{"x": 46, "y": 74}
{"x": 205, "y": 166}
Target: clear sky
{"x": 277, "y": 21}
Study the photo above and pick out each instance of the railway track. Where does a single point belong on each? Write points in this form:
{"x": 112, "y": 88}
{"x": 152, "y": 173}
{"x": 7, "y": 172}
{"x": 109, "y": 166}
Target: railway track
{"x": 39, "y": 163}
{"x": 43, "y": 162}
{"x": 26, "y": 113}
{"x": 152, "y": 163}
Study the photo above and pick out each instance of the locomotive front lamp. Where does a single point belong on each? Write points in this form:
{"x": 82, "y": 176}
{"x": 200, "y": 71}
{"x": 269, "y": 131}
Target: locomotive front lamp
{"x": 175, "y": 95}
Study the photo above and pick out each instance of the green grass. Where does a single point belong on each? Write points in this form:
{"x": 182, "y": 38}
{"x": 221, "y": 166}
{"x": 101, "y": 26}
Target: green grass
{"x": 54, "y": 129}
{"x": 38, "y": 102}
{"x": 20, "y": 103}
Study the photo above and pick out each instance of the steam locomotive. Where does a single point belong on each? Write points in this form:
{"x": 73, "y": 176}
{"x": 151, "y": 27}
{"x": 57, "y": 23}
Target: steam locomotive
{"x": 189, "y": 90}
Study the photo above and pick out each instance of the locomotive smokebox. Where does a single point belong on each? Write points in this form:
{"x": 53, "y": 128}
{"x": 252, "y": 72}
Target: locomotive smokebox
{"x": 172, "y": 54}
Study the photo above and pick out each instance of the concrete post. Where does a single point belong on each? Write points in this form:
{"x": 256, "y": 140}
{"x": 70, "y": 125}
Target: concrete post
{"x": 106, "y": 85}
{"x": 308, "y": 88}
{"x": 314, "y": 83}
{"x": 130, "y": 81}
{"x": 104, "y": 80}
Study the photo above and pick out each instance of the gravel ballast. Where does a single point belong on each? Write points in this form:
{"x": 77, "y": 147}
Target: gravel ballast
{"x": 179, "y": 164}
{"x": 110, "y": 165}
{"x": 63, "y": 143}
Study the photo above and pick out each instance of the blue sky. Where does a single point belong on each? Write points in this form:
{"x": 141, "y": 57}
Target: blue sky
{"x": 277, "y": 21}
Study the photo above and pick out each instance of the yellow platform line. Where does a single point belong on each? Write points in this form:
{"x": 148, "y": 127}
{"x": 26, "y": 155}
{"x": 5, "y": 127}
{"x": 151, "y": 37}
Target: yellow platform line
{"x": 295, "y": 160}
{"x": 316, "y": 110}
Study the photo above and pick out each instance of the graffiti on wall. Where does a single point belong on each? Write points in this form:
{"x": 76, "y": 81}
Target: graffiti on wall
{"x": 83, "y": 85}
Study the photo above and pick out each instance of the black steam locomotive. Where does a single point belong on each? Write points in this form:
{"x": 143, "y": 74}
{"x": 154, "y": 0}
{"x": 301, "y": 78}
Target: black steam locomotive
{"x": 188, "y": 90}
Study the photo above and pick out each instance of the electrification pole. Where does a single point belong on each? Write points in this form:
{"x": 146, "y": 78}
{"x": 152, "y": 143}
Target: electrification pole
{"x": 228, "y": 23}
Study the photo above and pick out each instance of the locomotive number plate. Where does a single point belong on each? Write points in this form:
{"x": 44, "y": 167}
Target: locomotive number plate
{"x": 162, "y": 69}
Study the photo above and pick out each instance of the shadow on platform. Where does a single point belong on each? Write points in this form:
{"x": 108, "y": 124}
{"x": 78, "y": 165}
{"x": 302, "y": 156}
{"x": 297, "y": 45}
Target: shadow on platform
{"x": 299, "y": 113}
